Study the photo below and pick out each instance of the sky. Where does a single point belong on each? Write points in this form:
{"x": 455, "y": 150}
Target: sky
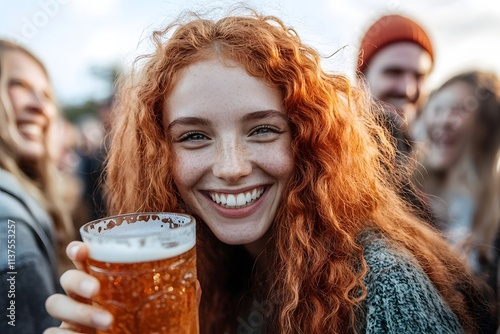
{"x": 73, "y": 36}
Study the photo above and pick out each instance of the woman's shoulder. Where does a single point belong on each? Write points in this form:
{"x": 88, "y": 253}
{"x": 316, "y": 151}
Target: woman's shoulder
{"x": 16, "y": 202}
{"x": 381, "y": 253}
{"x": 24, "y": 217}
{"x": 400, "y": 296}
{"x": 389, "y": 263}
{"x": 25, "y": 225}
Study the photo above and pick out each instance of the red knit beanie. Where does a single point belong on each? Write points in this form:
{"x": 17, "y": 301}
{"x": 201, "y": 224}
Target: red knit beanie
{"x": 391, "y": 29}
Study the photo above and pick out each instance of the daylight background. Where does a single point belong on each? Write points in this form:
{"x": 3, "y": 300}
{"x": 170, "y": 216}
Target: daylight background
{"x": 80, "y": 40}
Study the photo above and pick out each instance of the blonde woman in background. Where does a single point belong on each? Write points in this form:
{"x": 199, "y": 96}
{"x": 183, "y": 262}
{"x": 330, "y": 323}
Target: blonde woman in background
{"x": 33, "y": 223}
{"x": 459, "y": 158}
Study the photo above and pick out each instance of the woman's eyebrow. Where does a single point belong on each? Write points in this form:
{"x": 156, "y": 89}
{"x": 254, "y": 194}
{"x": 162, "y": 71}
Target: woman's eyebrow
{"x": 200, "y": 121}
{"x": 189, "y": 121}
{"x": 264, "y": 114}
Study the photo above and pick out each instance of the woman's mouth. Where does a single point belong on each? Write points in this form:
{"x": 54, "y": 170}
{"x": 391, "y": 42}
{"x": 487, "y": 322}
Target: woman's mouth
{"x": 238, "y": 200}
{"x": 31, "y": 131}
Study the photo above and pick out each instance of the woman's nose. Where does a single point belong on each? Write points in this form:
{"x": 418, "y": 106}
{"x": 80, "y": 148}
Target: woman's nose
{"x": 231, "y": 161}
{"x": 39, "y": 103}
{"x": 448, "y": 117}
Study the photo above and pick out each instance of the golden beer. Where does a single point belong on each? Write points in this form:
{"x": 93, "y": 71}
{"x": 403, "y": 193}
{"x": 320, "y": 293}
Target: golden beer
{"x": 146, "y": 265}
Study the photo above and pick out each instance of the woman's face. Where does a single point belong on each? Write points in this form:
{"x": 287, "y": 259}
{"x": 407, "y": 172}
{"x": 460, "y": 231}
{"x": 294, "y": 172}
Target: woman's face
{"x": 232, "y": 149}
{"x": 29, "y": 92}
{"x": 450, "y": 120}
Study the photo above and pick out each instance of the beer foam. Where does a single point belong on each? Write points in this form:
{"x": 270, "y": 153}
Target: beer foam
{"x": 114, "y": 252}
{"x": 139, "y": 238}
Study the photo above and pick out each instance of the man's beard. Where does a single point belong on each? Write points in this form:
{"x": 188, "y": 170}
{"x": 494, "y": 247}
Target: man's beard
{"x": 405, "y": 108}
{"x": 399, "y": 102}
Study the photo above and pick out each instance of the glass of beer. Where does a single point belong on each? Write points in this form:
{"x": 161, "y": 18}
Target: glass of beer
{"x": 146, "y": 264}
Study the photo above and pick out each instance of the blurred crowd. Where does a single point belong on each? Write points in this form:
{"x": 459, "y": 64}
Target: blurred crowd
{"x": 448, "y": 138}
{"x": 81, "y": 147}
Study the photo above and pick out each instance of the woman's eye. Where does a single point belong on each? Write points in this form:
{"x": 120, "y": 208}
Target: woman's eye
{"x": 16, "y": 82}
{"x": 264, "y": 129}
{"x": 192, "y": 136}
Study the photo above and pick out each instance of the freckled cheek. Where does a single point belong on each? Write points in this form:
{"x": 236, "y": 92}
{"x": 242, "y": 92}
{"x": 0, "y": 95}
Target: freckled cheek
{"x": 188, "y": 170}
{"x": 277, "y": 162}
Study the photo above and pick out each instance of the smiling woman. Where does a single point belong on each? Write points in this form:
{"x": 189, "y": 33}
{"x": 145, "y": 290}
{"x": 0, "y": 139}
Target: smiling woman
{"x": 459, "y": 155}
{"x": 28, "y": 89}
{"x": 291, "y": 180}
{"x": 29, "y": 199}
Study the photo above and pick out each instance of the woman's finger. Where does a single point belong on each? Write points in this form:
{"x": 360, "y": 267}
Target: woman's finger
{"x": 71, "y": 311}
{"x": 80, "y": 284}
{"x": 67, "y": 328}
{"x": 78, "y": 253}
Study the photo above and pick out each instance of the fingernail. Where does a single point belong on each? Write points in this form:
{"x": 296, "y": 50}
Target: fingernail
{"x": 87, "y": 288}
{"x": 102, "y": 320}
{"x": 73, "y": 251}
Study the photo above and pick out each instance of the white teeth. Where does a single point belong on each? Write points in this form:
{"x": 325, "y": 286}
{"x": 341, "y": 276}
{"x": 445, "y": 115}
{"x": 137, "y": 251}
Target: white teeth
{"x": 237, "y": 200}
{"x": 231, "y": 200}
{"x": 241, "y": 200}
{"x": 32, "y": 130}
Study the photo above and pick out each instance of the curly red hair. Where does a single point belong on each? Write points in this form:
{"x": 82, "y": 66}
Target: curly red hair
{"x": 343, "y": 181}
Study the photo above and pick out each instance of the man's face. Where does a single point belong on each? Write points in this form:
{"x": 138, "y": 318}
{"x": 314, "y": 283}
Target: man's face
{"x": 396, "y": 75}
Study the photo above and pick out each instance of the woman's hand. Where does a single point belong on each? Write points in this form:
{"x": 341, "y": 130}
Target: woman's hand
{"x": 74, "y": 309}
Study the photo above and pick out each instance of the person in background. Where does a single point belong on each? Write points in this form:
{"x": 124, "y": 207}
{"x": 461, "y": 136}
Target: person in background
{"x": 33, "y": 222}
{"x": 396, "y": 57}
{"x": 299, "y": 225}
{"x": 459, "y": 159}
{"x": 67, "y": 139}
{"x": 92, "y": 162}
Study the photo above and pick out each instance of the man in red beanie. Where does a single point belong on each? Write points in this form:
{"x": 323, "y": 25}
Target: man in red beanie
{"x": 395, "y": 58}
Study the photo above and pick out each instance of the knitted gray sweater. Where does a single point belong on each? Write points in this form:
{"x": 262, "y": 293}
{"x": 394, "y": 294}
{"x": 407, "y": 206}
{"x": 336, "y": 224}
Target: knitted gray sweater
{"x": 401, "y": 298}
